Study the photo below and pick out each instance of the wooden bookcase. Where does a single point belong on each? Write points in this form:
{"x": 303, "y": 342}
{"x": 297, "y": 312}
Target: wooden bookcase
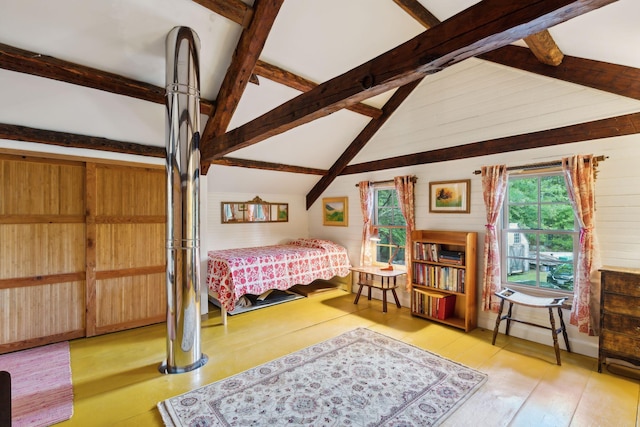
{"x": 443, "y": 266}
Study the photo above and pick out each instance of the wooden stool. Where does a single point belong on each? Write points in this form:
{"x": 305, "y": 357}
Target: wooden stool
{"x": 515, "y": 297}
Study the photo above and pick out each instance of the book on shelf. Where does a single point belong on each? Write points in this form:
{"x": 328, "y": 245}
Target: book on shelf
{"x": 445, "y": 306}
{"x": 432, "y": 304}
{"x": 451, "y": 257}
{"x": 433, "y": 252}
{"x": 440, "y": 277}
{"x": 426, "y": 251}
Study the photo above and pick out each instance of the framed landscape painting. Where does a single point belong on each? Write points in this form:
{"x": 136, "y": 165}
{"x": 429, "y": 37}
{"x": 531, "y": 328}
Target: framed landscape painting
{"x": 335, "y": 211}
{"x": 449, "y": 196}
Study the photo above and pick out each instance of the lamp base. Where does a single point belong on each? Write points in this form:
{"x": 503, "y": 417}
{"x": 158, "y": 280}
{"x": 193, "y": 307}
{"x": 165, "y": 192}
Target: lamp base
{"x": 389, "y": 267}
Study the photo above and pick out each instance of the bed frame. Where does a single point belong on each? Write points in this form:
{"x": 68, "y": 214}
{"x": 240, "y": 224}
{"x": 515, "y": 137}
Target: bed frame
{"x": 232, "y": 273}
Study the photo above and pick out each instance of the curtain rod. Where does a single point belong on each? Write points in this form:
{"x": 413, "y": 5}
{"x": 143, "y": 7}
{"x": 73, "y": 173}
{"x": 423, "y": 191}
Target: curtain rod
{"x": 389, "y": 181}
{"x": 544, "y": 165}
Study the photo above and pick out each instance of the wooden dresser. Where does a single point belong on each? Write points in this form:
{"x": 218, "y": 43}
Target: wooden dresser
{"x": 620, "y": 315}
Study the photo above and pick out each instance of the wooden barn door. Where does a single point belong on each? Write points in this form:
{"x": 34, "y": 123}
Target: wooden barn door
{"x": 82, "y": 249}
{"x": 126, "y": 220}
{"x": 42, "y": 251}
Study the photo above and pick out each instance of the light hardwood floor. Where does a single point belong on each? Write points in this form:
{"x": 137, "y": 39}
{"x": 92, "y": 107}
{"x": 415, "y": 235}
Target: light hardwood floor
{"x": 117, "y": 383}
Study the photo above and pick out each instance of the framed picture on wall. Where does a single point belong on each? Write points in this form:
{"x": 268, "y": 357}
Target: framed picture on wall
{"x": 450, "y": 196}
{"x": 283, "y": 212}
{"x": 335, "y": 211}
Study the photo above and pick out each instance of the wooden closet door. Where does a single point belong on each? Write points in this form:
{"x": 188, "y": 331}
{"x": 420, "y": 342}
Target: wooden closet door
{"x": 127, "y": 221}
{"x": 42, "y": 251}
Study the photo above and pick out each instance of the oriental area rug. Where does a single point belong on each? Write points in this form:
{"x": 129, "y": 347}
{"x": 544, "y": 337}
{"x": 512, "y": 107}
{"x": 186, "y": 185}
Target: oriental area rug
{"x": 359, "y": 378}
{"x": 41, "y": 389}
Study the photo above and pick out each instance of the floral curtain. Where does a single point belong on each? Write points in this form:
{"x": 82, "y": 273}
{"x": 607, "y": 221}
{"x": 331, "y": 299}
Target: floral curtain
{"x": 404, "y": 188}
{"x": 495, "y": 180}
{"x": 366, "y": 205}
{"x": 579, "y": 175}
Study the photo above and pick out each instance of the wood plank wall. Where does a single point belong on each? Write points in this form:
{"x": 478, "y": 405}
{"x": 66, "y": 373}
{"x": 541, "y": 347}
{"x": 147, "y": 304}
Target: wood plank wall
{"x": 81, "y": 249}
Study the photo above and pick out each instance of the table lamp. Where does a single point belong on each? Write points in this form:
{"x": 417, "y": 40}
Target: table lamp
{"x": 375, "y": 237}
{"x": 389, "y": 267}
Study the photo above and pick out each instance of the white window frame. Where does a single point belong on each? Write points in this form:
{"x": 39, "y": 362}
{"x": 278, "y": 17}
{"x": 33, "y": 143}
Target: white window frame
{"x": 504, "y": 244}
{"x": 400, "y": 261}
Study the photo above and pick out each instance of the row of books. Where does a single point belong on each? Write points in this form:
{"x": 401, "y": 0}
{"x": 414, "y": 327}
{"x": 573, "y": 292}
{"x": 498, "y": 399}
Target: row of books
{"x": 433, "y": 252}
{"x": 434, "y": 305}
{"x": 439, "y": 277}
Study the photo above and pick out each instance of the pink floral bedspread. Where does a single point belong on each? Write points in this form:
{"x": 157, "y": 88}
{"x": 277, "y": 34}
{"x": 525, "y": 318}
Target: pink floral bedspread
{"x": 232, "y": 273}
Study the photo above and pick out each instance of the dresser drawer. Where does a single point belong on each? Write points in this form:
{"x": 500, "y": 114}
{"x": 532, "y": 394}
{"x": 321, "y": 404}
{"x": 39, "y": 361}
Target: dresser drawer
{"x": 622, "y": 324}
{"x": 621, "y": 283}
{"x": 621, "y": 304}
{"x": 620, "y": 343}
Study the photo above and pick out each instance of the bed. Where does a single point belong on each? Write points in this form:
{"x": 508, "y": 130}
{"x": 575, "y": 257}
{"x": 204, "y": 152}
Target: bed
{"x": 232, "y": 273}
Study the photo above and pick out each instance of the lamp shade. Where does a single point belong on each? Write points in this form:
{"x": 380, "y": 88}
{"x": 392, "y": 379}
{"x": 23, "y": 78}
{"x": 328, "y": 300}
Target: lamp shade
{"x": 375, "y": 236}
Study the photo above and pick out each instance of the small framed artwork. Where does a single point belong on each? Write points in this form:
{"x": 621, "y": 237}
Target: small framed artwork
{"x": 450, "y": 196}
{"x": 283, "y": 212}
{"x": 335, "y": 211}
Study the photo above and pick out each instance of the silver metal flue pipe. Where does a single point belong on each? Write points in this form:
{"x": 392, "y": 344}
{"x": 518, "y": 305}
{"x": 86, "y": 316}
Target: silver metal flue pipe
{"x": 183, "y": 202}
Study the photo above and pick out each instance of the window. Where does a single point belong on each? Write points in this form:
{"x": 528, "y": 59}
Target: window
{"x": 539, "y": 233}
{"x": 392, "y": 227}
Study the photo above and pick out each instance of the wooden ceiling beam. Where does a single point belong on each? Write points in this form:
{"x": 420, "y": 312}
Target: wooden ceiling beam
{"x": 617, "y": 79}
{"x": 282, "y": 76}
{"x": 606, "y": 128}
{"x": 234, "y": 10}
{"x": 278, "y": 167}
{"x": 360, "y": 141}
{"x": 239, "y": 72}
{"x": 65, "y": 139}
{"x": 541, "y": 44}
{"x": 612, "y": 78}
{"x": 23, "y": 61}
{"x": 628, "y": 124}
{"x": 481, "y": 28}
{"x": 595, "y": 74}
{"x": 544, "y": 48}
{"x": 418, "y": 12}
{"x": 241, "y": 14}
{"x": 287, "y": 78}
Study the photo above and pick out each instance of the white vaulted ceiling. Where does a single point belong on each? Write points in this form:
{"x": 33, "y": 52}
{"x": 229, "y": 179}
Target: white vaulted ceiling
{"x": 471, "y": 101}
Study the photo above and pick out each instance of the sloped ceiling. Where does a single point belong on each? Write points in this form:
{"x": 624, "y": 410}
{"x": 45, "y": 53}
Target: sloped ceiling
{"x": 484, "y": 103}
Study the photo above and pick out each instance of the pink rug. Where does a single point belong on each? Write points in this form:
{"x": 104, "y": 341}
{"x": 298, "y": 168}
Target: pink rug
{"x": 41, "y": 389}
